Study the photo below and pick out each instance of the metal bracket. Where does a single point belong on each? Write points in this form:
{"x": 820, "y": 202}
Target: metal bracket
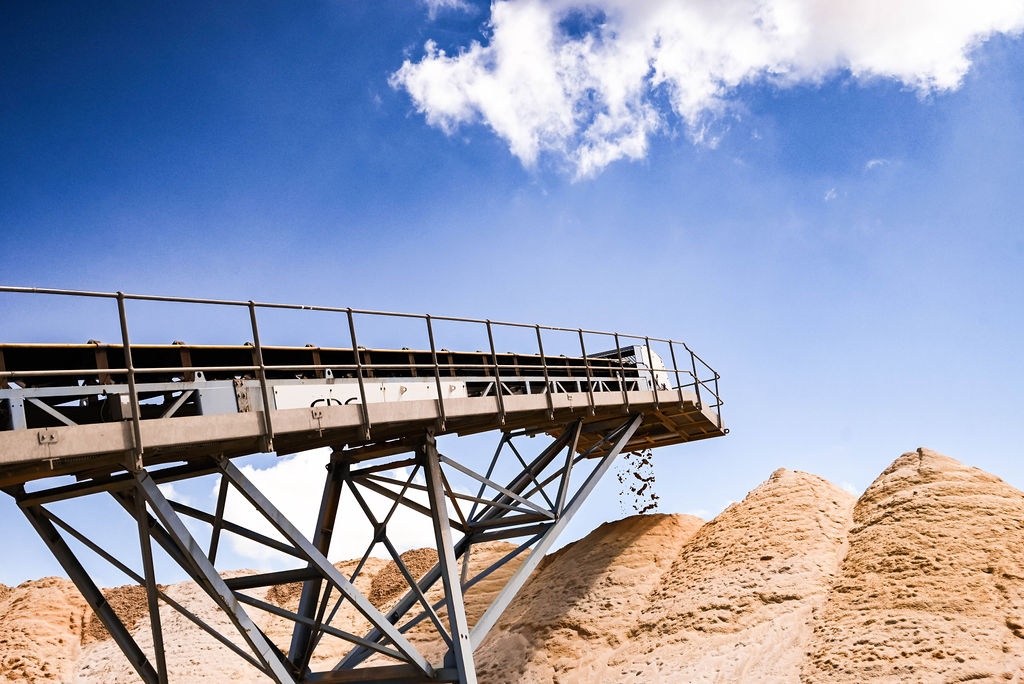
{"x": 47, "y": 437}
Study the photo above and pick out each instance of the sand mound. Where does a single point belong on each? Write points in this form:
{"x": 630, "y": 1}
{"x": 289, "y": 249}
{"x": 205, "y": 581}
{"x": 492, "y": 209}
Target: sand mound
{"x": 129, "y": 603}
{"x": 922, "y": 580}
{"x": 736, "y": 602}
{"x": 424, "y": 635}
{"x": 932, "y": 588}
{"x": 287, "y": 595}
{"x": 5, "y": 591}
{"x": 389, "y": 583}
{"x": 583, "y": 601}
{"x": 41, "y": 631}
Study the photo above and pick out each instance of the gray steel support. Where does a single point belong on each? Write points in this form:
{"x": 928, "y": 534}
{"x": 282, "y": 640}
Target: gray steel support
{"x": 302, "y": 635}
{"x": 563, "y": 489}
{"x": 523, "y": 480}
{"x": 333, "y": 575}
{"x": 522, "y": 573}
{"x": 492, "y": 513}
{"x": 151, "y": 590}
{"x": 93, "y": 596}
{"x": 218, "y": 518}
{"x": 461, "y": 652}
{"x": 211, "y": 581}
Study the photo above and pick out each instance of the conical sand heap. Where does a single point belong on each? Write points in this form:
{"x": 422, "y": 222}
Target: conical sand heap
{"x": 932, "y": 588}
{"x": 737, "y": 597}
{"x": 921, "y": 581}
{"x": 583, "y": 602}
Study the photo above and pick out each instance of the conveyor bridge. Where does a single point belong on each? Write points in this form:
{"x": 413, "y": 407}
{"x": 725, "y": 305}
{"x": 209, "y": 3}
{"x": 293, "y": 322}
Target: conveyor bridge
{"x": 121, "y": 418}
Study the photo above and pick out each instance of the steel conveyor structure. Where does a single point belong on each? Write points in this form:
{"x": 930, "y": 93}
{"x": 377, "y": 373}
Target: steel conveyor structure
{"x": 121, "y": 419}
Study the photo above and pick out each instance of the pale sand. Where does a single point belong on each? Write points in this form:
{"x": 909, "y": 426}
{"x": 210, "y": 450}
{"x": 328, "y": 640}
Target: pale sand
{"x": 921, "y": 580}
{"x": 932, "y": 588}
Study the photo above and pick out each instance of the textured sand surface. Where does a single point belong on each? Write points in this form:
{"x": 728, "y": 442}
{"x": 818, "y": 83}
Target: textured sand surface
{"x": 735, "y": 604}
{"x": 583, "y": 601}
{"x": 932, "y": 588}
{"x": 130, "y": 604}
{"x": 41, "y": 624}
{"x": 922, "y": 580}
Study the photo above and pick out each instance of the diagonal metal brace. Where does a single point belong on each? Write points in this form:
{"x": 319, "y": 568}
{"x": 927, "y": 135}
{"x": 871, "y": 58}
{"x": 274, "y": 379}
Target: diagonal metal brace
{"x": 208, "y": 577}
{"x": 522, "y": 573}
{"x": 320, "y": 562}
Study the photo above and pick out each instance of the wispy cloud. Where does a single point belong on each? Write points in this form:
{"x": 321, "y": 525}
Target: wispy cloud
{"x": 435, "y": 7}
{"x": 831, "y": 195}
{"x": 848, "y": 486}
{"x": 589, "y": 82}
{"x": 872, "y": 163}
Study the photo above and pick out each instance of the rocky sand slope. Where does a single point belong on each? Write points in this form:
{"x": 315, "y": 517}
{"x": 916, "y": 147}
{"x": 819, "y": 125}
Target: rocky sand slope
{"x": 932, "y": 588}
{"x": 920, "y": 580}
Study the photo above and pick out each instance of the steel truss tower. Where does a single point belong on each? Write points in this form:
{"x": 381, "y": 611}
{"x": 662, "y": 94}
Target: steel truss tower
{"x": 532, "y": 508}
{"x": 124, "y": 419}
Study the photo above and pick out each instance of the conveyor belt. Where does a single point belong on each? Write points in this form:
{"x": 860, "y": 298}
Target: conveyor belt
{"x": 66, "y": 406}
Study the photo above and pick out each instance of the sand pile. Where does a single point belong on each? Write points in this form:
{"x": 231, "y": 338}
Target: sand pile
{"x": 390, "y": 583}
{"x": 424, "y": 635}
{"x": 921, "y": 580}
{"x": 735, "y": 602}
{"x": 41, "y": 623}
{"x": 130, "y": 604}
{"x": 583, "y": 602}
{"x": 5, "y": 591}
{"x": 932, "y": 588}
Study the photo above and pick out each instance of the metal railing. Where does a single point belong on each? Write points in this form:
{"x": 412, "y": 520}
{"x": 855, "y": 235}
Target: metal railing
{"x": 700, "y": 377}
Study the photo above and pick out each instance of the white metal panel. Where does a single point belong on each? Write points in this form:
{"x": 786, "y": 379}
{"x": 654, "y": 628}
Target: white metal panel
{"x": 341, "y": 393}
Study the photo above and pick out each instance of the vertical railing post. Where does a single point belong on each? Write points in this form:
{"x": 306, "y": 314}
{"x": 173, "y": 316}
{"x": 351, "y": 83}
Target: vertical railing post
{"x": 132, "y": 390}
{"x": 590, "y": 381}
{"x": 718, "y": 400}
{"x": 622, "y": 373}
{"x": 365, "y": 411}
{"x": 650, "y": 367}
{"x": 547, "y": 378}
{"x": 497, "y": 373}
{"x": 675, "y": 368}
{"x": 262, "y": 370}
{"x": 696, "y": 380}
{"x": 437, "y": 372}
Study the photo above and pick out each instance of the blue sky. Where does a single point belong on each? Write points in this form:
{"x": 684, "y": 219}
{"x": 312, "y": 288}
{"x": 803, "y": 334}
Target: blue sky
{"x": 847, "y": 252}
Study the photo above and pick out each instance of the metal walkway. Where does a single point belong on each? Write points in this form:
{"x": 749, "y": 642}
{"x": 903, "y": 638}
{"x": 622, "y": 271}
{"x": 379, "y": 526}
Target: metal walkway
{"x": 123, "y": 418}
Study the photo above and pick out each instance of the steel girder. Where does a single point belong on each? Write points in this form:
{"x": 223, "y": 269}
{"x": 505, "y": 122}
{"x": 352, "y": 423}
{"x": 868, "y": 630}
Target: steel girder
{"x": 534, "y": 506}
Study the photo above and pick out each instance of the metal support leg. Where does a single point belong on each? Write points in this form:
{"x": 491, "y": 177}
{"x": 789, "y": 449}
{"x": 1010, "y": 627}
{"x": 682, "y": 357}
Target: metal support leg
{"x": 151, "y": 591}
{"x": 522, "y": 573}
{"x": 302, "y": 642}
{"x": 461, "y": 651}
{"x": 320, "y": 562}
{"x": 211, "y": 581}
{"x": 62, "y": 552}
{"x": 543, "y": 535}
{"x": 530, "y": 473}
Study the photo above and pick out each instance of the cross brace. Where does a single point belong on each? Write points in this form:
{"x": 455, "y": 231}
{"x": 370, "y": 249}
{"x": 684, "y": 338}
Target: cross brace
{"x": 521, "y": 508}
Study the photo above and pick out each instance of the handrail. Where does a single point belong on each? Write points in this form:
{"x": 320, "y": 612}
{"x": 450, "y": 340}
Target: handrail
{"x": 703, "y": 378}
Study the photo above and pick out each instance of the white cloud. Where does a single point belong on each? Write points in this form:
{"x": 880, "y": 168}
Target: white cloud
{"x": 435, "y": 7}
{"x": 831, "y": 195}
{"x": 848, "y": 486}
{"x": 295, "y": 485}
{"x": 589, "y": 82}
{"x": 171, "y": 492}
{"x": 872, "y": 163}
